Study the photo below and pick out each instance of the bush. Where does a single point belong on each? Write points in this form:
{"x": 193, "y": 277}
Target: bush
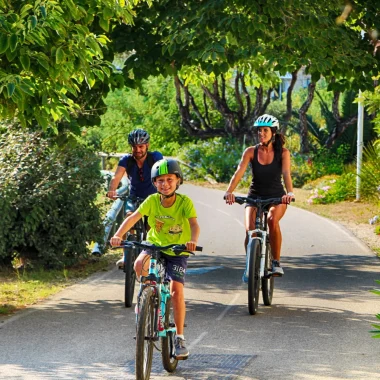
{"x": 47, "y": 199}
{"x": 334, "y": 189}
{"x": 217, "y": 158}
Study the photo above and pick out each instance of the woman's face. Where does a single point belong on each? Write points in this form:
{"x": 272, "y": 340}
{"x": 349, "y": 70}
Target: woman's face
{"x": 265, "y": 134}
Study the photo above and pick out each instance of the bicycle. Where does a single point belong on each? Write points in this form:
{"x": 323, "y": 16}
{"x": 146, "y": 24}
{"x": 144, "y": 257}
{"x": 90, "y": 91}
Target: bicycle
{"x": 137, "y": 233}
{"x": 154, "y": 320}
{"x": 259, "y": 254}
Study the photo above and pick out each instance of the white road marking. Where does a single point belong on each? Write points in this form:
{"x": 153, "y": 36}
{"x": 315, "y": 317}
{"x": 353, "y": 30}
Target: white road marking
{"x": 232, "y": 303}
{"x": 196, "y": 341}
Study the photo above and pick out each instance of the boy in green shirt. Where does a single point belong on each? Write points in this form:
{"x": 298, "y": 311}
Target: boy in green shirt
{"x": 173, "y": 220}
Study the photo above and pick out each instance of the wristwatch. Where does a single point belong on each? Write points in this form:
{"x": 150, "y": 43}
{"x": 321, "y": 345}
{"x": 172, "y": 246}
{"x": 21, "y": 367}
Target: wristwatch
{"x": 290, "y": 193}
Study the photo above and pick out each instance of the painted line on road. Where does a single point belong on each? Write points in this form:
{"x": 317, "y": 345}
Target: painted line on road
{"x": 223, "y": 212}
{"x": 232, "y": 303}
{"x": 196, "y": 341}
{"x": 204, "y": 204}
{"x": 202, "y": 270}
{"x": 239, "y": 221}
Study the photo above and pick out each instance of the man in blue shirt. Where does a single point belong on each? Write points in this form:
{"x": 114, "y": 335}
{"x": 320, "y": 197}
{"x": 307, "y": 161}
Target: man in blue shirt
{"x": 137, "y": 166}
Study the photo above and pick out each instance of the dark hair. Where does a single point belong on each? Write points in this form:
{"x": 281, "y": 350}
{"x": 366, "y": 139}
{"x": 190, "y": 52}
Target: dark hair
{"x": 278, "y": 144}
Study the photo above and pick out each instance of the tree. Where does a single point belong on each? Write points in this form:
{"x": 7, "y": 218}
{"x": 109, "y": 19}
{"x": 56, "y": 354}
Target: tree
{"x": 240, "y": 45}
{"x": 55, "y": 64}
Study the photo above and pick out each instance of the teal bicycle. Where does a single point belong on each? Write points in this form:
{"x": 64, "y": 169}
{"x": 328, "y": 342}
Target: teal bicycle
{"x": 154, "y": 320}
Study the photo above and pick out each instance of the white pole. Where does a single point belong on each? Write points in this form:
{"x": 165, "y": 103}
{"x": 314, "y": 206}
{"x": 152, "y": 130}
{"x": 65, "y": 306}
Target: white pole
{"x": 359, "y": 146}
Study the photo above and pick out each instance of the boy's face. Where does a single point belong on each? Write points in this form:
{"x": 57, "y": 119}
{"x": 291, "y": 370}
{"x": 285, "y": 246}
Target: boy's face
{"x": 166, "y": 183}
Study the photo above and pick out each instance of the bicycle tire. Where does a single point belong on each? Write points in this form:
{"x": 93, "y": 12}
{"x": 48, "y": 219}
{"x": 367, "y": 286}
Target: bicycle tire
{"x": 145, "y": 335}
{"x": 167, "y": 344}
{"x": 254, "y": 248}
{"x": 268, "y": 282}
{"x": 130, "y": 276}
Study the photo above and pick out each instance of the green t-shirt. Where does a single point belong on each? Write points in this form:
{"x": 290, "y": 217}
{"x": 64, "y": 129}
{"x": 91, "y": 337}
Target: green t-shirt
{"x": 168, "y": 225}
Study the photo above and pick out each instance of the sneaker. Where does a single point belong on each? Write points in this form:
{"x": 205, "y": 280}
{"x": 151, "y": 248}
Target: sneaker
{"x": 120, "y": 263}
{"x": 181, "y": 352}
{"x": 245, "y": 274}
{"x": 276, "y": 268}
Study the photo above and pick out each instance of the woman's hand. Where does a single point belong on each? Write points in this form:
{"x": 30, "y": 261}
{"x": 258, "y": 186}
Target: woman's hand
{"x": 287, "y": 198}
{"x": 229, "y": 197}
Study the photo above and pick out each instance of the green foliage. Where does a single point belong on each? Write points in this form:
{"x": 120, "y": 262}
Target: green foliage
{"x": 370, "y": 174}
{"x": 217, "y": 158}
{"x": 376, "y": 332}
{"x": 332, "y": 190}
{"x": 152, "y": 107}
{"x": 47, "y": 198}
{"x": 54, "y": 58}
{"x": 320, "y": 163}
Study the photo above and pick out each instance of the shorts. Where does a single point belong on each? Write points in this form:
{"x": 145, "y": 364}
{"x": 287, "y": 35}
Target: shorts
{"x": 175, "y": 267}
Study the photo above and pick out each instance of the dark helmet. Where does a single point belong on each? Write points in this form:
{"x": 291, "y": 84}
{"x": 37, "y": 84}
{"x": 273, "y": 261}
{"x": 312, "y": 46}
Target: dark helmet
{"x": 138, "y": 136}
{"x": 166, "y": 166}
{"x": 267, "y": 121}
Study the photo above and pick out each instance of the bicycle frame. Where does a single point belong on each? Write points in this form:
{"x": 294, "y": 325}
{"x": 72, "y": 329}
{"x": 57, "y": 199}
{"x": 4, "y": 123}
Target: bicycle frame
{"x": 153, "y": 304}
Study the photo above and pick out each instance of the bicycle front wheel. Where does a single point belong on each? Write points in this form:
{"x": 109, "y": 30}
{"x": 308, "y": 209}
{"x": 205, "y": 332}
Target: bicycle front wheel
{"x": 268, "y": 282}
{"x": 167, "y": 344}
{"x": 254, "y": 249}
{"x": 130, "y": 276}
{"x": 145, "y": 335}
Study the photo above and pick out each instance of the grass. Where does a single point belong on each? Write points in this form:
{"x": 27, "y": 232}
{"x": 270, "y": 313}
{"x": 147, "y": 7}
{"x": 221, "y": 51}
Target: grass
{"x": 22, "y": 288}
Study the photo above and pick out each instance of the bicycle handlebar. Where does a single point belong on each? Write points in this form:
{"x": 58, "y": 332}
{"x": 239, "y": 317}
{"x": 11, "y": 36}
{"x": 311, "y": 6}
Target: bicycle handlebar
{"x": 258, "y": 201}
{"x": 176, "y": 248}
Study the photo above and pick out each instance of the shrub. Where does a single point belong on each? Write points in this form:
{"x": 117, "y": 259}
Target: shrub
{"x": 218, "y": 158}
{"x": 331, "y": 190}
{"x": 47, "y": 199}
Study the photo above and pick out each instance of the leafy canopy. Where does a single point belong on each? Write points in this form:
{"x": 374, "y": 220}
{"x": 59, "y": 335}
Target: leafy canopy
{"x": 53, "y": 54}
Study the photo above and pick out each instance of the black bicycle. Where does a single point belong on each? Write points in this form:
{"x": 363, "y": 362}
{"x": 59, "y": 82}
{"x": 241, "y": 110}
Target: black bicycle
{"x": 154, "y": 320}
{"x": 136, "y": 234}
{"x": 259, "y": 254}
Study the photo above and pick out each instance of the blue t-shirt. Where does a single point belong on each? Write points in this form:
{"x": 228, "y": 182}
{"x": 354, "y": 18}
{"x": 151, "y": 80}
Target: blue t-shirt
{"x": 141, "y": 185}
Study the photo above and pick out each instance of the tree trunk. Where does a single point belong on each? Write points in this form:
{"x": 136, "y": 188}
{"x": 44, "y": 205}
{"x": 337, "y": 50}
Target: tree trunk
{"x": 305, "y": 147}
{"x": 289, "y": 105}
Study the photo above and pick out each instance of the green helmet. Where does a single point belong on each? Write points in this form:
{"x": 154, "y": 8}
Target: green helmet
{"x": 166, "y": 166}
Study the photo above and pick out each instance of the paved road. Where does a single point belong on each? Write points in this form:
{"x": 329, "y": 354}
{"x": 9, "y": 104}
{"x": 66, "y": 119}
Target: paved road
{"x": 318, "y": 326}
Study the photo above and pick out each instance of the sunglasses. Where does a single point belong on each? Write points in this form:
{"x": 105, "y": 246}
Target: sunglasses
{"x": 141, "y": 174}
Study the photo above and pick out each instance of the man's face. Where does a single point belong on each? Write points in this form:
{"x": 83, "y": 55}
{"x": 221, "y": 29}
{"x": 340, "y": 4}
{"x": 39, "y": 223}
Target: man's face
{"x": 139, "y": 151}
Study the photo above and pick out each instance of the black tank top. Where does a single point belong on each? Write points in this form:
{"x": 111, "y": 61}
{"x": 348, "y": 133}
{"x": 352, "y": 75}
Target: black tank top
{"x": 266, "y": 179}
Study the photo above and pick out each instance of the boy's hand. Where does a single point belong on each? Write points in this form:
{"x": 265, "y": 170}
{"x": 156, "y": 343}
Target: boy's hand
{"x": 191, "y": 245}
{"x": 115, "y": 241}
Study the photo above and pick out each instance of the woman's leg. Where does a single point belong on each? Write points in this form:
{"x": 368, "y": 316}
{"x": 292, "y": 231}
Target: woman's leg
{"x": 274, "y": 216}
{"x": 249, "y": 222}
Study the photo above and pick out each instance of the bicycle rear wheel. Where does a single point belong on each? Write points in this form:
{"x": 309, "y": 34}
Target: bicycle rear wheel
{"x": 130, "y": 275}
{"x": 167, "y": 344}
{"x": 268, "y": 282}
{"x": 254, "y": 249}
{"x": 145, "y": 335}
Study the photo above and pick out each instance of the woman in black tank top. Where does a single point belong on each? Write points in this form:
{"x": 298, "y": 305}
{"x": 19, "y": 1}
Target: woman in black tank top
{"x": 270, "y": 164}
